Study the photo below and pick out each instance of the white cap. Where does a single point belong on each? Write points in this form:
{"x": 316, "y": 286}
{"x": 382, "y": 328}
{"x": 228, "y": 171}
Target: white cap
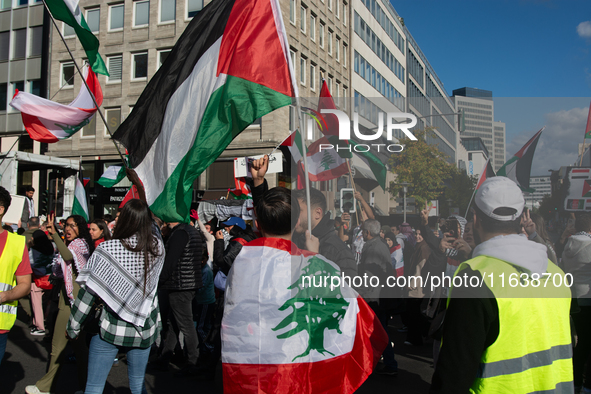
{"x": 499, "y": 192}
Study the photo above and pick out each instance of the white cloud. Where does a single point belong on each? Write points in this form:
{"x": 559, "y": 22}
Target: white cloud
{"x": 558, "y": 145}
{"x": 584, "y": 29}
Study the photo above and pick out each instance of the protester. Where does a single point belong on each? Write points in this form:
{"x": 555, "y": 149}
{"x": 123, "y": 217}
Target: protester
{"x": 15, "y": 273}
{"x": 535, "y": 229}
{"x": 331, "y": 245}
{"x": 395, "y": 252}
{"x": 498, "y": 338}
{"x": 203, "y": 312}
{"x": 209, "y": 240}
{"x": 375, "y": 261}
{"x": 99, "y": 232}
{"x": 240, "y": 234}
{"x": 28, "y": 207}
{"x": 576, "y": 260}
{"x": 32, "y": 226}
{"x": 179, "y": 280}
{"x": 130, "y": 319}
{"x": 41, "y": 253}
{"x": 73, "y": 256}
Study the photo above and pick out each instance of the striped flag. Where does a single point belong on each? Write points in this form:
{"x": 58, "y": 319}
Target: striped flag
{"x": 281, "y": 334}
{"x": 241, "y": 190}
{"x": 112, "y": 176}
{"x": 518, "y": 168}
{"x": 68, "y": 11}
{"x": 487, "y": 172}
{"x": 294, "y": 144}
{"x": 80, "y": 206}
{"x": 48, "y": 121}
{"x": 325, "y": 164}
{"x": 229, "y": 67}
{"x": 377, "y": 168}
{"x": 588, "y": 126}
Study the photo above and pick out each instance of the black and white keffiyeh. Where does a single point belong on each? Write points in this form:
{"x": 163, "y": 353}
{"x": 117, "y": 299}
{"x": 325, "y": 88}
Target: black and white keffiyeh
{"x": 116, "y": 275}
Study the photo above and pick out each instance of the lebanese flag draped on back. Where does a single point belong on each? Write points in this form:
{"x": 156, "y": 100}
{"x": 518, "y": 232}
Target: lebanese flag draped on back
{"x": 48, "y": 121}
{"x": 518, "y": 168}
{"x": 279, "y": 336}
{"x": 229, "y": 67}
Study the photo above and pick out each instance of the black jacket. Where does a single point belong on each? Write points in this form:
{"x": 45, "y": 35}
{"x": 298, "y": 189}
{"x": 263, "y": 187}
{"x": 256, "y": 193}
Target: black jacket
{"x": 223, "y": 259}
{"x": 331, "y": 246}
{"x": 182, "y": 264}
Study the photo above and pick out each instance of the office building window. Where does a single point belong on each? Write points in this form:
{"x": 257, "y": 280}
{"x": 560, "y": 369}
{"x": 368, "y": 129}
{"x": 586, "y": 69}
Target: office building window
{"x": 116, "y": 17}
{"x": 115, "y": 66}
{"x": 167, "y": 10}
{"x": 90, "y": 129}
{"x": 336, "y": 49}
{"x": 4, "y": 46}
{"x": 344, "y": 55}
{"x": 329, "y": 39}
{"x": 5, "y": 4}
{"x": 35, "y": 87}
{"x": 113, "y": 117}
{"x": 68, "y": 31}
{"x": 3, "y": 98}
{"x": 292, "y": 11}
{"x": 336, "y": 9}
{"x": 93, "y": 19}
{"x": 67, "y": 75}
{"x": 312, "y": 77}
{"x": 193, "y": 7}
{"x": 321, "y": 35}
{"x": 303, "y": 19}
{"x": 162, "y": 56}
{"x": 16, "y": 87}
{"x": 302, "y": 70}
{"x": 293, "y": 59}
{"x": 337, "y": 89}
{"x": 22, "y": 2}
{"x": 330, "y": 5}
{"x": 36, "y": 41}
{"x": 345, "y": 14}
{"x": 141, "y": 13}
{"x": 19, "y": 42}
{"x": 139, "y": 63}
{"x": 312, "y": 27}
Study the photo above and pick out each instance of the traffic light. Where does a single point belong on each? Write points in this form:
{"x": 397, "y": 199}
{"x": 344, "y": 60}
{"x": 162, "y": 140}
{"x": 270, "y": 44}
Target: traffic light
{"x": 44, "y": 202}
{"x": 348, "y": 203}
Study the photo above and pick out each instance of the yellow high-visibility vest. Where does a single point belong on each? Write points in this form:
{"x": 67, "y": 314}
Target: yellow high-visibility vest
{"x": 10, "y": 259}
{"x": 533, "y": 351}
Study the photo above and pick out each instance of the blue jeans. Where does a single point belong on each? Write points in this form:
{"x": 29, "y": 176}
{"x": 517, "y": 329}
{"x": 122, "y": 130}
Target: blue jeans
{"x": 100, "y": 360}
{"x": 3, "y": 339}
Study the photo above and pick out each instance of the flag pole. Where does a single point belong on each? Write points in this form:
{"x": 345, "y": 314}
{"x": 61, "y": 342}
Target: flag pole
{"x": 85, "y": 84}
{"x": 354, "y": 190}
{"x": 305, "y": 163}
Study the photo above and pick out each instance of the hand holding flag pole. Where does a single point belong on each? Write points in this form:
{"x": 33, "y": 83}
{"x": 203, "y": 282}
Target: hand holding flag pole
{"x": 85, "y": 84}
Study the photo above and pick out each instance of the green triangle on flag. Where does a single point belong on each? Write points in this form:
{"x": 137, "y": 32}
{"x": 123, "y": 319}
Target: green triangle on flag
{"x": 112, "y": 176}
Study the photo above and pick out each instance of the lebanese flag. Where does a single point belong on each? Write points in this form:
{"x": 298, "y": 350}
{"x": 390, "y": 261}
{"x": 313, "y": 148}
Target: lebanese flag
{"x": 487, "y": 172}
{"x": 229, "y": 67}
{"x": 48, "y": 121}
{"x": 325, "y": 164}
{"x": 279, "y": 336}
{"x": 518, "y": 168}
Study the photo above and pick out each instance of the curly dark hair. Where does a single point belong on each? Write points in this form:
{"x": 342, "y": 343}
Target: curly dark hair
{"x": 5, "y": 199}
{"x": 83, "y": 231}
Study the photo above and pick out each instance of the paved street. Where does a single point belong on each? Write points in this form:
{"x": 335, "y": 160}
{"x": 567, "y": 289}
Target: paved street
{"x": 26, "y": 358}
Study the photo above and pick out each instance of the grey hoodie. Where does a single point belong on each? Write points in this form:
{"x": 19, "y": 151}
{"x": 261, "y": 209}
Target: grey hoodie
{"x": 517, "y": 250}
{"x": 576, "y": 260}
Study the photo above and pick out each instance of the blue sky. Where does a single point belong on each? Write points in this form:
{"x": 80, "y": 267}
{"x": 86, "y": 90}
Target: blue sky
{"x": 535, "y": 56}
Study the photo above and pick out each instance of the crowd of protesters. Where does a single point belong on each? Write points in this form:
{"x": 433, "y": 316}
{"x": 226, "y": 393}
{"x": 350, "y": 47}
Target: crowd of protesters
{"x": 168, "y": 308}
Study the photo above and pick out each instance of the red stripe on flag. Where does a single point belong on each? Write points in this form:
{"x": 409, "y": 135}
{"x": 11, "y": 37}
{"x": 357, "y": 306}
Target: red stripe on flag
{"x": 339, "y": 375}
{"x": 37, "y": 131}
{"x": 333, "y": 173}
{"x": 524, "y": 148}
{"x": 326, "y": 102}
{"x": 251, "y": 48}
{"x": 131, "y": 194}
{"x": 281, "y": 244}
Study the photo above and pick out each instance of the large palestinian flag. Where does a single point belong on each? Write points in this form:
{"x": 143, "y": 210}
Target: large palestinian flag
{"x": 228, "y": 68}
{"x": 518, "y": 168}
{"x": 283, "y": 334}
{"x": 48, "y": 121}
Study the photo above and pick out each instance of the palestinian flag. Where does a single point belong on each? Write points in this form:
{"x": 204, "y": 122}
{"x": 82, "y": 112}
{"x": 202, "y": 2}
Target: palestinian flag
{"x": 294, "y": 144}
{"x": 487, "y": 172}
{"x": 325, "y": 164}
{"x": 112, "y": 176}
{"x": 68, "y": 11}
{"x": 518, "y": 168}
{"x": 331, "y": 122}
{"x": 80, "y": 206}
{"x": 588, "y": 126}
{"x": 242, "y": 190}
{"x": 229, "y": 67}
{"x": 48, "y": 121}
{"x": 281, "y": 334}
{"x": 377, "y": 169}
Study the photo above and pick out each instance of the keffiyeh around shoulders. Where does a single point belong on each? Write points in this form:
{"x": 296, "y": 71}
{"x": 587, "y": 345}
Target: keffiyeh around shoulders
{"x": 116, "y": 275}
{"x": 80, "y": 251}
